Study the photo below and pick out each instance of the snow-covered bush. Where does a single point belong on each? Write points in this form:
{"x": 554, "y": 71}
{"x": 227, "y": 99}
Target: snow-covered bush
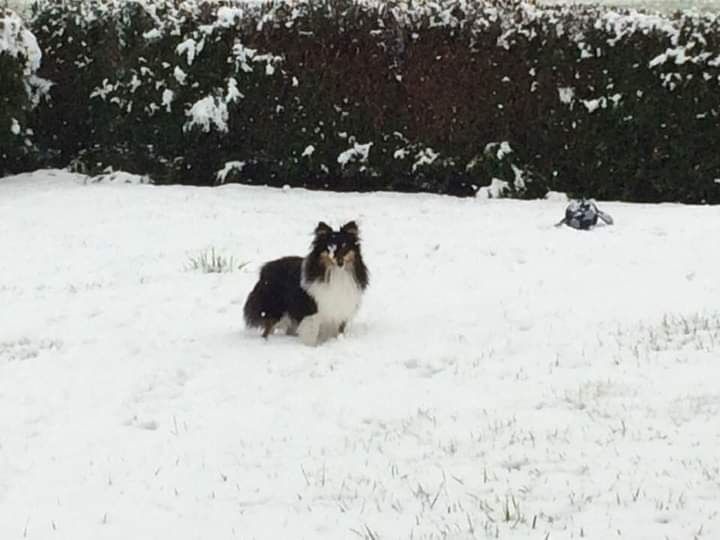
{"x": 509, "y": 176}
{"x": 19, "y": 91}
{"x": 346, "y": 95}
{"x": 137, "y": 82}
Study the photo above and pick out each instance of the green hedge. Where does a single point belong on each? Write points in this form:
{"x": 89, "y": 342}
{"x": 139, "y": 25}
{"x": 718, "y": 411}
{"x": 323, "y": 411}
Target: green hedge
{"x": 20, "y": 90}
{"x": 333, "y": 94}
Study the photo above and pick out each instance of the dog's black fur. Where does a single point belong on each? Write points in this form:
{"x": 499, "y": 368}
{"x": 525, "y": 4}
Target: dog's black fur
{"x": 278, "y": 293}
{"x": 282, "y": 290}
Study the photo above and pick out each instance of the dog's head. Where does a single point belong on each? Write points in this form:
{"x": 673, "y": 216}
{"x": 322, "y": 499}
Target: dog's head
{"x": 339, "y": 247}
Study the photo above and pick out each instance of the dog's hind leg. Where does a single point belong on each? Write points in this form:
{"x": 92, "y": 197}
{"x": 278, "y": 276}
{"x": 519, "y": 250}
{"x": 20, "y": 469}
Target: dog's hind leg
{"x": 292, "y": 329}
{"x": 286, "y": 324}
{"x": 268, "y": 326}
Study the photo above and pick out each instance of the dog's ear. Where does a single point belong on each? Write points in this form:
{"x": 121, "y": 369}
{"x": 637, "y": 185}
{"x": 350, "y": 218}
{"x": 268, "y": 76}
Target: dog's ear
{"x": 322, "y": 229}
{"x": 350, "y": 228}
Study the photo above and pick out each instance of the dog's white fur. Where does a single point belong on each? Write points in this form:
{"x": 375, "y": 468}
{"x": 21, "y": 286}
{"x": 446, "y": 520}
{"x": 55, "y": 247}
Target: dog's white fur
{"x": 337, "y": 299}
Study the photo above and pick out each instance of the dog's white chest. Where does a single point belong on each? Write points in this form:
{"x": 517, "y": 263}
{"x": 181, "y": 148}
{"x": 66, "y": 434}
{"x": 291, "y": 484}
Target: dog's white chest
{"x": 337, "y": 298}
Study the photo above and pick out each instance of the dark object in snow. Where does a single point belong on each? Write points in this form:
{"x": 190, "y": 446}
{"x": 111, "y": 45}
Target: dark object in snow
{"x": 584, "y": 215}
{"x": 316, "y": 296}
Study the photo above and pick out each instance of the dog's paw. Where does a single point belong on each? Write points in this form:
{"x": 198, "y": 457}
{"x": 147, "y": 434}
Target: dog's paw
{"x": 309, "y": 330}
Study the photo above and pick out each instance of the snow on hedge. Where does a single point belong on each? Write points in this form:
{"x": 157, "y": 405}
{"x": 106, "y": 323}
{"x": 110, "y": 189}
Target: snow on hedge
{"x": 208, "y": 113}
{"x": 19, "y": 42}
{"x": 221, "y": 82}
{"x": 20, "y": 88}
{"x": 206, "y": 107}
{"x": 357, "y": 153}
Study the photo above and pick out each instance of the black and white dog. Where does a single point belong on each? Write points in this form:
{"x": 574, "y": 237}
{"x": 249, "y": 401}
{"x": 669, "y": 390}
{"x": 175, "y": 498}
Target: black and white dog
{"x": 315, "y": 296}
{"x": 584, "y": 214}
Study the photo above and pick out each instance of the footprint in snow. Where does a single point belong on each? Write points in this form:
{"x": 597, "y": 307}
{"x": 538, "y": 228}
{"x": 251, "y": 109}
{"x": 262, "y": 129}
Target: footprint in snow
{"x": 26, "y": 349}
{"x": 148, "y": 425}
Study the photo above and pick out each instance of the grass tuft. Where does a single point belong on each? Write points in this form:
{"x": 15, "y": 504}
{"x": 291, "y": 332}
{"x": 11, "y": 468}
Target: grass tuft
{"x": 212, "y": 262}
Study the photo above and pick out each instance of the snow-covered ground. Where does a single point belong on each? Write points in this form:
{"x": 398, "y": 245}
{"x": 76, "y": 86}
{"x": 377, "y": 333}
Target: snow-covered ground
{"x": 505, "y": 379}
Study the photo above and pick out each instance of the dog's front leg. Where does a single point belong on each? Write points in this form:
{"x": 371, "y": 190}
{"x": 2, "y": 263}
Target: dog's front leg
{"x": 309, "y": 330}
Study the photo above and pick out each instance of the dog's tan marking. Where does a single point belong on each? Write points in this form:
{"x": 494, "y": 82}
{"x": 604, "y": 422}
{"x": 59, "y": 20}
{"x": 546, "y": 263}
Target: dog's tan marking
{"x": 327, "y": 259}
{"x": 349, "y": 257}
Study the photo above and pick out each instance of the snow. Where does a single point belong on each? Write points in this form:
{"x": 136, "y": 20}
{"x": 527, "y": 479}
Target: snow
{"x": 357, "y": 153}
{"x": 566, "y": 94}
{"x": 180, "y": 75}
{"x": 519, "y": 178}
{"x": 207, "y": 113}
{"x": 424, "y": 157}
{"x": 233, "y": 93}
{"x": 495, "y": 190}
{"x": 504, "y": 150}
{"x": 211, "y": 112}
{"x": 190, "y": 48}
{"x": 103, "y": 91}
{"x": 663, "y": 5}
{"x": 19, "y": 42}
{"x": 242, "y": 55}
{"x": 602, "y": 102}
{"x": 667, "y": 6}
{"x": 134, "y": 83}
{"x": 593, "y": 104}
{"x": 503, "y": 379}
{"x": 230, "y": 166}
{"x": 153, "y": 34}
{"x": 119, "y": 177}
{"x": 167, "y": 98}
{"x": 228, "y": 16}
{"x": 556, "y": 196}
{"x": 680, "y": 57}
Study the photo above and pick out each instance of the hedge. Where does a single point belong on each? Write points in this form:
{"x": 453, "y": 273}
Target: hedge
{"x": 20, "y": 90}
{"x": 445, "y": 97}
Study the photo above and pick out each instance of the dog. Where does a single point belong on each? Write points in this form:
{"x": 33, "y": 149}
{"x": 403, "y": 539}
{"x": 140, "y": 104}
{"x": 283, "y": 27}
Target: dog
{"x": 584, "y": 214}
{"x": 314, "y": 296}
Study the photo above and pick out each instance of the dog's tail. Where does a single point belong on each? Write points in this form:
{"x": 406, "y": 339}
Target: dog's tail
{"x": 254, "y": 310}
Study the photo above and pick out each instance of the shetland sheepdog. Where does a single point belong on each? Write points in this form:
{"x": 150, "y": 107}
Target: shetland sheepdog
{"x": 315, "y": 296}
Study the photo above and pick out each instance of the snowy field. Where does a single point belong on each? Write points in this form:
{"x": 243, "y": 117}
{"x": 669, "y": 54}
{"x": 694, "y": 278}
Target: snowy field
{"x": 504, "y": 379}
